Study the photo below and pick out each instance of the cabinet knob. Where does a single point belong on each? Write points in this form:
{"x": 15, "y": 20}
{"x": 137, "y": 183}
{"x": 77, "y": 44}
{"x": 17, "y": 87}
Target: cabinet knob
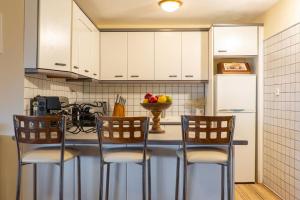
{"x": 222, "y": 51}
{"x": 75, "y": 67}
{"x": 118, "y": 76}
{"x": 86, "y": 71}
{"x": 134, "y": 76}
{"x": 172, "y": 76}
{"x": 189, "y": 76}
{"x": 60, "y": 64}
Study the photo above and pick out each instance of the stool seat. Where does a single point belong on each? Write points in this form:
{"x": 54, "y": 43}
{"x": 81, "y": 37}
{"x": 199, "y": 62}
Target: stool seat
{"x": 204, "y": 155}
{"x": 124, "y": 155}
{"x": 48, "y": 155}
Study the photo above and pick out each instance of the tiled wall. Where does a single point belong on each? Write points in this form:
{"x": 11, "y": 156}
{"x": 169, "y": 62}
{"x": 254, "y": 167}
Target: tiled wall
{"x": 282, "y": 114}
{"x": 185, "y": 95}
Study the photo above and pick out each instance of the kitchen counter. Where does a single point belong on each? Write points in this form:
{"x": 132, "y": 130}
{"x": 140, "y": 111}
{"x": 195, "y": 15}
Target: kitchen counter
{"x": 168, "y": 138}
{"x": 172, "y": 136}
{"x": 126, "y": 178}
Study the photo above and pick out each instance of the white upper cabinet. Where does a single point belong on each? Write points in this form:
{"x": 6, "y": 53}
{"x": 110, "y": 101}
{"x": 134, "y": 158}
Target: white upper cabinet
{"x": 54, "y": 51}
{"x": 168, "y": 56}
{"x": 85, "y": 41}
{"x": 96, "y": 54}
{"x": 113, "y": 51}
{"x": 236, "y": 41}
{"x": 75, "y": 39}
{"x": 85, "y": 45}
{"x": 194, "y": 56}
{"x": 140, "y": 56}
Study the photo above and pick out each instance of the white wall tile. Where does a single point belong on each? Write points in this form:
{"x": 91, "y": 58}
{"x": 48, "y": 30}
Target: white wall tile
{"x": 182, "y": 93}
{"x": 281, "y": 114}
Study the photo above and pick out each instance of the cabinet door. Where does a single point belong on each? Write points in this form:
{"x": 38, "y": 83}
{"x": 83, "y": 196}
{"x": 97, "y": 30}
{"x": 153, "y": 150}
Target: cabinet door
{"x": 84, "y": 46}
{"x": 113, "y": 51}
{"x": 235, "y": 40}
{"x": 96, "y": 54}
{"x": 194, "y": 55}
{"x": 168, "y": 56}
{"x": 75, "y": 39}
{"x": 55, "y": 34}
{"x": 140, "y": 56}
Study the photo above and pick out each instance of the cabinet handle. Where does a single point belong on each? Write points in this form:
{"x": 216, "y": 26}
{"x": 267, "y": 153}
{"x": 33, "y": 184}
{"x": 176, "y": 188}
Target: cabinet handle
{"x": 189, "y": 76}
{"x": 118, "y": 76}
{"x": 222, "y": 51}
{"x": 86, "y": 71}
{"x": 134, "y": 76}
{"x": 172, "y": 76}
{"x": 75, "y": 67}
{"x": 95, "y": 74}
{"x": 60, "y": 64}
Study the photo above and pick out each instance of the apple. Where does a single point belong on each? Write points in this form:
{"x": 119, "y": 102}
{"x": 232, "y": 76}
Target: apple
{"x": 148, "y": 95}
{"x": 153, "y": 99}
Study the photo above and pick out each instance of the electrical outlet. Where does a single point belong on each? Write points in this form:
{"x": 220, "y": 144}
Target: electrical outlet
{"x": 277, "y": 92}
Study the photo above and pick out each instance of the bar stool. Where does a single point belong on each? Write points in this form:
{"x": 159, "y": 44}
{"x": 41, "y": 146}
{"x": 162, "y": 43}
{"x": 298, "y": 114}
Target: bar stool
{"x": 207, "y": 140}
{"x": 129, "y": 131}
{"x": 45, "y": 130}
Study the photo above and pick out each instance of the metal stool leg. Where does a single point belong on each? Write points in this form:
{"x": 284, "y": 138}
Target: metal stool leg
{"x": 177, "y": 178}
{"x": 222, "y": 182}
{"x": 61, "y": 181}
{"x": 79, "y": 177}
{"x": 149, "y": 179}
{"x": 229, "y": 182}
{"x": 19, "y": 181}
{"x": 34, "y": 182}
{"x": 184, "y": 180}
{"x": 101, "y": 181}
{"x": 107, "y": 181}
{"x": 144, "y": 179}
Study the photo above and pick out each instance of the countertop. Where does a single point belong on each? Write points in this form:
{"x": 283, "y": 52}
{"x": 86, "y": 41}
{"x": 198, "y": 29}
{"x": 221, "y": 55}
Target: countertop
{"x": 168, "y": 138}
{"x": 172, "y": 136}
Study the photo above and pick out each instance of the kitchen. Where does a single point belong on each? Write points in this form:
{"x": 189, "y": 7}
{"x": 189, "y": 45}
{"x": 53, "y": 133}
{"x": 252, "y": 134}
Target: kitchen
{"x": 110, "y": 58}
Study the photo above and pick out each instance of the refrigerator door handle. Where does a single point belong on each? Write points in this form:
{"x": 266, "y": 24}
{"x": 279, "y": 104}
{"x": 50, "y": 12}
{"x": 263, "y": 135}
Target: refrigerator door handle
{"x": 231, "y": 110}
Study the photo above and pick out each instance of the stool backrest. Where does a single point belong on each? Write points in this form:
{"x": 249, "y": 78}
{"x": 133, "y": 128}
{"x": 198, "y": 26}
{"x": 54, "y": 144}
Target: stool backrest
{"x": 207, "y": 130}
{"x": 122, "y": 130}
{"x": 39, "y": 129}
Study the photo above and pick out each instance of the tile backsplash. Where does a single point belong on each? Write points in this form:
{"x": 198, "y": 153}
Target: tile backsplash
{"x": 282, "y": 113}
{"x": 185, "y": 95}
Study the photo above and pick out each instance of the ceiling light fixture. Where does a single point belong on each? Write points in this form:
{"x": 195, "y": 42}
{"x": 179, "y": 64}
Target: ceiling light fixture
{"x": 170, "y": 5}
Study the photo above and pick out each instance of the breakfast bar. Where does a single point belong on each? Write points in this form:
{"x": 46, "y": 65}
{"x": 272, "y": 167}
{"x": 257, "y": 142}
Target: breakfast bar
{"x": 204, "y": 180}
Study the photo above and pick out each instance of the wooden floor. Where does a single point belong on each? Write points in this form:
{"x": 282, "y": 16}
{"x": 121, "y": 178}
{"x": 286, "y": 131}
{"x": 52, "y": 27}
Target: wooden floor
{"x": 253, "y": 192}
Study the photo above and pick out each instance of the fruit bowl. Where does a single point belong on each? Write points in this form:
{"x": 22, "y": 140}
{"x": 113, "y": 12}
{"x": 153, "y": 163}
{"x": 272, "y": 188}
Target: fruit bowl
{"x": 156, "y": 109}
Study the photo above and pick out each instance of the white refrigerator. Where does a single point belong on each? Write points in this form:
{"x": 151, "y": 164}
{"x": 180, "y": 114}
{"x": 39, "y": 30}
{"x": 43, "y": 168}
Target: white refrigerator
{"x": 236, "y": 95}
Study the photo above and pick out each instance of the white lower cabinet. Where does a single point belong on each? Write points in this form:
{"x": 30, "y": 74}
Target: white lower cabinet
{"x": 168, "y": 56}
{"x": 113, "y": 59}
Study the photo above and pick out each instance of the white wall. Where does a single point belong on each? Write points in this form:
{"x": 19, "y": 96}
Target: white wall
{"x": 280, "y": 17}
{"x": 11, "y": 64}
{"x": 11, "y": 91}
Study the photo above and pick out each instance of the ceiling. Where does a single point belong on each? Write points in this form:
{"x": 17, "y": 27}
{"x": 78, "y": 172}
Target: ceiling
{"x": 114, "y": 13}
